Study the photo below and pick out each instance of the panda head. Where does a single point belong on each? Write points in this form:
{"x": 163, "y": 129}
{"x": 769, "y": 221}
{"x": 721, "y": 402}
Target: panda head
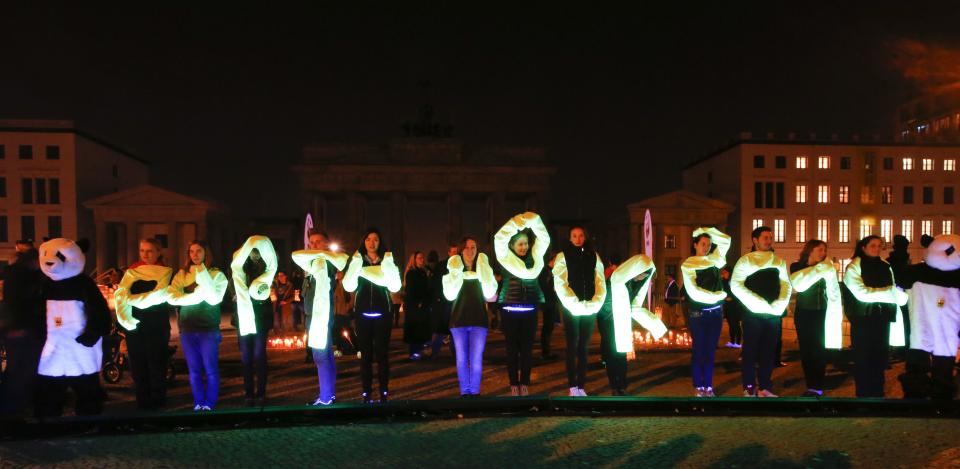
{"x": 61, "y": 258}
{"x": 943, "y": 253}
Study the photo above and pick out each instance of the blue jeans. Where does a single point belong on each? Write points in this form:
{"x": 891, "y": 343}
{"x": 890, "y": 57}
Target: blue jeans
{"x": 469, "y": 343}
{"x": 253, "y": 355}
{"x": 326, "y": 368}
{"x": 201, "y": 350}
{"x": 705, "y": 327}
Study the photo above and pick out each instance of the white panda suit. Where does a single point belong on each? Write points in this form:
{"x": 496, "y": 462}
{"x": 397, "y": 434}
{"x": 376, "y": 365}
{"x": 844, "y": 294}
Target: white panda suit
{"x": 934, "y": 320}
{"x": 77, "y": 317}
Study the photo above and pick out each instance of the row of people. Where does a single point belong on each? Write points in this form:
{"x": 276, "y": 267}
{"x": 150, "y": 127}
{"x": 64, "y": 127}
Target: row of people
{"x": 760, "y": 282}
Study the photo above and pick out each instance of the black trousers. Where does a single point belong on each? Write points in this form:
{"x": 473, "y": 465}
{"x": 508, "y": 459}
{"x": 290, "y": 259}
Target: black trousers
{"x": 760, "y": 335}
{"x": 870, "y": 337}
{"x": 52, "y": 393}
{"x": 734, "y": 315}
{"x": 373, "y": 334}
{"x": 519, "y": 329}
{"x": 253, "y": 357}
{"x": 616, "y": 361}
{"x": 149, "y": 355}
{"x": 18, "y": 386}
{"x": 813, "y": 354}
{"x": 578, "y": 330}
{"x": 546, "y": 328}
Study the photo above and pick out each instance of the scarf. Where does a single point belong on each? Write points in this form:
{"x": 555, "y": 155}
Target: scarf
{"x": 258, "y": 288}
{"x": 125, "y": 300}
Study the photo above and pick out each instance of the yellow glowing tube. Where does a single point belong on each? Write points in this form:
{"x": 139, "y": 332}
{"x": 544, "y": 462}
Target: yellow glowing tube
{"x": 751, "y": 263}
{"x": 455, "y": 276}
{"x": 211, "y": 286}
{"x": 624, "y": 310}
{"x": 509, "y": 260}
{"x": 566, "y": 295}
{"x": 803, "y": 279}
{"x": 258, "y": 288}
{"x": 385, "y": 275}
{"x": 718, "y": 259}
{"x": 126, "y": 301}
{"x": 853, "y": 279}
{"x": 314, "y": 263}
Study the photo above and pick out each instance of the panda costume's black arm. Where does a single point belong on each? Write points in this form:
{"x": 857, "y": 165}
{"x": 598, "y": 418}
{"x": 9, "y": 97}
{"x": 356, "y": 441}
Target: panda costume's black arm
{"x": 97, "y": 312}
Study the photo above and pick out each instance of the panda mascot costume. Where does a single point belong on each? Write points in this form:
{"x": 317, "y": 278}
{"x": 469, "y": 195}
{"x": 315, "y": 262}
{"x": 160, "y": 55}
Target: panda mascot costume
{"x": 77, "y": 317}
{"x": 934, "y": 287}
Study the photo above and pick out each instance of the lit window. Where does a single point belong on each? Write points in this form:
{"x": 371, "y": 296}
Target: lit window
{"x": 844, "y": 195}
{"x": 926, "y": 227}
{"x": 779, "y": 227}
{"x": 823, "y": 194}
{"x": 823, "y": 229}
{"x": 947, "y": 227}
{"x": 886, "y": 195}
{"x": 843, "y": 231}
{"x": 757, "y": 223}
{"x": 670, "y": 241}
{"x": 906, "y": 228}
{"x": 886, "y": 229}
{"x": 866, "y": 195}
{"x": 907, "y": 164}
{"x": 865, "y": 228}
{"x": 801, "y": 233}
{"x": 927, "y": 164}
{"x": 801, "y": 162}
{"x": 801, "y": 194}
{"x": 949, "y": 165}
{"x": 823, "y": 162}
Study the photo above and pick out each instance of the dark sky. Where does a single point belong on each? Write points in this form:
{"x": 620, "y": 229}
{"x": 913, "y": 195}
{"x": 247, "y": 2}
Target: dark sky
{"x": 614, "y": 93}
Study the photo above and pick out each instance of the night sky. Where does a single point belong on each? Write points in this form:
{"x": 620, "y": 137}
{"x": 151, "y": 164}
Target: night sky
{"x": 615, "y": 93}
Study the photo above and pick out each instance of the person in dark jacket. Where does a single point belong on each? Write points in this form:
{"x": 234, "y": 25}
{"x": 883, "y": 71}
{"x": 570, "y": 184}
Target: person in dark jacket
{"x": 817, "y": 315}
{"x": 22, "y": 323}
{"x": 899, "y": 260}
{"x": 416, "y": 304}
{"x": 197, "y": 290}
{"x": 732, "y": 312}
{"x": 579, "y": 284}
{"x": 253, "y": 268}
{"x": 469, "y": 282}
{"x": 550, "y": 313}
{"x": 703, "y": 287}
{"x": 520, "y": 245}
{"x": 143, "y": 312}
{"x": 373, "y": 276}
{"x": 871, "y": 302}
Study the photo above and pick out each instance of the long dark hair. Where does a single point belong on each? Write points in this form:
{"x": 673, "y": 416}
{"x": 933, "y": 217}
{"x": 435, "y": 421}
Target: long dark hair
{"x": 207, "y": 254}
{"x": 858, "y": 250}
{"x": 531, "y": 238}
{"x": 461, "y": 246}
{"x": 807, "y": 249}
{"x": 362, "y": 247}
{"x": 696, "y": 239}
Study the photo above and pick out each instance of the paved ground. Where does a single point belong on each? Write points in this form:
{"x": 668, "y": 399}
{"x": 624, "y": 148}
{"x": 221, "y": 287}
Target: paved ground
{"x": 519, "y": 441}
{"x": 522, "y": 442}
{"x": 664, "y": 373}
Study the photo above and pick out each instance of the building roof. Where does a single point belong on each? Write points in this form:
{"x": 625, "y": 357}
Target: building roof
{"x": 680, "y": 199}
{"x": 861, "y": 143}
{"x": 147, "y": 195}
{"x": 61, "y": 126}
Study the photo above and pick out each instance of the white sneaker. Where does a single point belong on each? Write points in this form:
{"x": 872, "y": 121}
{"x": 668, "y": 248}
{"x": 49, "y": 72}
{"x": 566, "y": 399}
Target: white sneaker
{"x": 205, "y": 407}
{"x": 708, "y": 392}
{"x": 737, "y": 345}
{"x": 730, "y": 345}
{"x": 197, "y": 408}
{"x": 574, "y": 391}
{"x": 582, "y": 392}
{"x": 698, "y": 392}
{"x": 765, "y": 393}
